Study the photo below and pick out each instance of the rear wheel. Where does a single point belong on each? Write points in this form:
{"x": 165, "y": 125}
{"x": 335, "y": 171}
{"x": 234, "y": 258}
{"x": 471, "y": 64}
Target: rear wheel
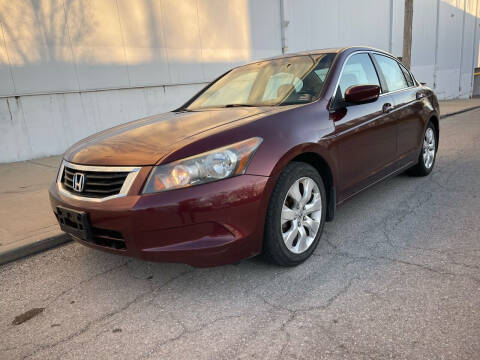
{"x": 426, "y": 159}
{"x": 295, "y": 216}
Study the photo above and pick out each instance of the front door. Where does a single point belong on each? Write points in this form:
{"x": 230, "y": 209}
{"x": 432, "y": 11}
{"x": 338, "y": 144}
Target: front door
{"x": 365, "y": 134}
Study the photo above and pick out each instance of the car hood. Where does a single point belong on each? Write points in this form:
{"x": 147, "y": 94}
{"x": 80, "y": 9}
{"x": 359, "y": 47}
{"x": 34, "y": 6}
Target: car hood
{"x": 146, "y": 141}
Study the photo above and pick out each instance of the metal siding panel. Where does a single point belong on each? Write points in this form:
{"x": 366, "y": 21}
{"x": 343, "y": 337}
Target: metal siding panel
{"x": 6, "y": 83}
{"x": 323, "y": 24}
{"x": 449, "y": 48}
{"x": 145, "y": 48}
{"x": 265, "y": 25}
{"x": 423, "y": 40}
{"x": 97, "y": 44}
{"x": 467, "y": 65}
{"x": 397, "y": 27}
{"x": 182, "y": 38}
{"x": 38, "y": 47}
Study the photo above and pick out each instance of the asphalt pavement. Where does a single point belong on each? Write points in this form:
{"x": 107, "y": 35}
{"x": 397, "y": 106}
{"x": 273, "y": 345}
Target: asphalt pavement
{"x": 396, "y": 276}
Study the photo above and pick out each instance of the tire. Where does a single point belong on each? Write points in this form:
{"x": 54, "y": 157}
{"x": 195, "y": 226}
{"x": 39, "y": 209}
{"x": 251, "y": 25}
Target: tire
{"x": 428, "y": 154}
{"x": 297, "y": 247}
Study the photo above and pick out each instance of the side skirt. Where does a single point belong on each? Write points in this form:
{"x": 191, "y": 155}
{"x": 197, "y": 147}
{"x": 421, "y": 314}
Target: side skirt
{"x": 393, "y": 173}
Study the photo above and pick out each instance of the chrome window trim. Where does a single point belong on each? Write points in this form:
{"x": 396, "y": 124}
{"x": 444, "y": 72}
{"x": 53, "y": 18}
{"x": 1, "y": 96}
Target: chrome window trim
{"x": 370, "y": 52}
{"x": 395, "y": 91}
{"x": 133, "y": 172}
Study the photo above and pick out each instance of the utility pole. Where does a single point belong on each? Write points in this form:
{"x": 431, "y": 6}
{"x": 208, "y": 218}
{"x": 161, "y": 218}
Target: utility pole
{"x": 407, "y": 33}
{"x": 283, "y": 27}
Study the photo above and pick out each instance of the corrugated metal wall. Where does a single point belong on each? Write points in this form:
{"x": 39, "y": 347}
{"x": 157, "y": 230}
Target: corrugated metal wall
{"x": 69, "y": 68}
{"x": 316, "y": 24}
{"x": 445, "y": 35}
{"x": 445, "y": 45}
{"x": 68, "y": 45}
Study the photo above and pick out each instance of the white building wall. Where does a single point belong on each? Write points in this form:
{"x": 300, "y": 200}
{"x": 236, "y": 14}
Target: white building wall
{"x": 69, "y": 68}
{"x": 445, "y": 45}
{"x": 42, "y": 125}
{"x": 67, "y": 45}
{"x": 316, "y": 24}
{"x": 445, "y": 35}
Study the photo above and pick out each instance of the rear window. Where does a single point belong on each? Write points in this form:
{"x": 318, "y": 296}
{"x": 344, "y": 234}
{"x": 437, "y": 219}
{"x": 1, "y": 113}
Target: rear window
{"x": 391, "y": 72}
{"x": 407, "y": 75}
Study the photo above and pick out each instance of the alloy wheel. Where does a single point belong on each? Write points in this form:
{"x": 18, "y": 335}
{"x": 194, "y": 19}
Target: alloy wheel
{"x": 429, "y": 148}
{"x": 301, "y": 215}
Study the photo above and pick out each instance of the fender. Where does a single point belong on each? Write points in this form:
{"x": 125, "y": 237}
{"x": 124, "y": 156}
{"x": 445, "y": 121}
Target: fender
{"x": 295, "y": 152}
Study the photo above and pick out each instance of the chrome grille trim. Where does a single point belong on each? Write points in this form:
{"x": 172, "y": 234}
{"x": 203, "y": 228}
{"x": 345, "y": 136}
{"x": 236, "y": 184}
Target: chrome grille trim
{"x": 133, "y": 172}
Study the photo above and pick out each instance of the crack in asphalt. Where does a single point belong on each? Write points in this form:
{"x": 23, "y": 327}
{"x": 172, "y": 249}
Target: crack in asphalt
{"x": 185, "y": 331}
{"x": 293, "y": 313}
{"x": 85, "y": 282}
{"x": 393, "y": 219}
{"x": 388, "y": 248}
{"x": 91, "y": 323}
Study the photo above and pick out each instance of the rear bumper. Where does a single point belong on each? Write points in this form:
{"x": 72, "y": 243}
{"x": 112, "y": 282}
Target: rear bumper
{"x": 206, "y": 225}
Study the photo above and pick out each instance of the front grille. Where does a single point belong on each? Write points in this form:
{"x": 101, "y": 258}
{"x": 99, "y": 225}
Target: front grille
{"x": 97, "y": 184}
{"x": 108, "y": 238}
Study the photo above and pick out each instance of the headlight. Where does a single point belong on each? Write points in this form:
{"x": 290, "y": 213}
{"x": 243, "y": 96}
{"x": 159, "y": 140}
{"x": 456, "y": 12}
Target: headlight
{"x": 203, "y": 168}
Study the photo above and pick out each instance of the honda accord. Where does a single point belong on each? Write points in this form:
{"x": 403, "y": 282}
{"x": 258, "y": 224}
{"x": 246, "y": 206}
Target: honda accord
{"x": 256, "y": 162}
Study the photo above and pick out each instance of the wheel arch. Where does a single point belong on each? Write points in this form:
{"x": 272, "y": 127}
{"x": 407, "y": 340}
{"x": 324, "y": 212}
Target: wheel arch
{"x": 436, "y": 123}
{"x": 325, "y": 171}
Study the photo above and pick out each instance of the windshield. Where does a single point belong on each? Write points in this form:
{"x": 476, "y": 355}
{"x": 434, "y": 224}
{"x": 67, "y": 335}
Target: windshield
{"x": 285, "y": 81}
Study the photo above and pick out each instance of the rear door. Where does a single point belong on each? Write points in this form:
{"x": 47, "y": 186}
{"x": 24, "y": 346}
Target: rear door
{"x": 365, "y": 134}
{"x": 406, "y": 107}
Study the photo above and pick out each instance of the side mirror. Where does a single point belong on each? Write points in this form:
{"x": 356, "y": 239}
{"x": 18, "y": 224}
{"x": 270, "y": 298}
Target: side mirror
{"x": 360, "y": 94}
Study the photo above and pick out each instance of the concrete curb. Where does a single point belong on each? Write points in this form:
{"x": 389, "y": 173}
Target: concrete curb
{"x": 459, "y": 112}
{"x": 17, "y": 251}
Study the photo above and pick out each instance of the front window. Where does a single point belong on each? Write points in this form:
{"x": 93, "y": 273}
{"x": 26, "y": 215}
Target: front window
{"x": 358, "y": 70}
{"x": 285, "y": 81}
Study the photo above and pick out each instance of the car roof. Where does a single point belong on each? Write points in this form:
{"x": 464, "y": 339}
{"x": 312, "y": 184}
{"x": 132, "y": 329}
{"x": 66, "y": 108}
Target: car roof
{"x": 323, "y": 51}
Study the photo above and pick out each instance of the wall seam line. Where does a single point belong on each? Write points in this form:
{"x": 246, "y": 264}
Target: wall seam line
{"x": 165, "y": 41}
{"x": 435, "y": 54}
{"x": 462, "y": 48}
{"x": 123, "y": 43}
{"x": 9, "y": 61}
{"x": 201, "y": 43}
{"x": 474, "y": 47}
{"x": 390, "y": 35}
{"x": 75, "y": 65}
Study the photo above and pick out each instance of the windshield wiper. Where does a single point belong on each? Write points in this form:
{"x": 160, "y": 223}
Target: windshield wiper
{"x": 239, "y": 105}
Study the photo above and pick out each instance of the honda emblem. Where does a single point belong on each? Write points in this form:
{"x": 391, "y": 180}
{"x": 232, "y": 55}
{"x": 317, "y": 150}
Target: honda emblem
{"x": 78, "y": 182}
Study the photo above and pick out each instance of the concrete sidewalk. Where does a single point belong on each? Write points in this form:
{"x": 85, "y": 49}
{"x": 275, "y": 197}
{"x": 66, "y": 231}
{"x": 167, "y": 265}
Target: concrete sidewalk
{"x": 27, "y": 224}
{"x": 452, "y": 107}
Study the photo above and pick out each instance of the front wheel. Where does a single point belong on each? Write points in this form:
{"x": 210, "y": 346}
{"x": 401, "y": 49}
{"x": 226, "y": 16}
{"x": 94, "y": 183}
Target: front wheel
{"x": 427, "y": 156}
{"x": 295, "y": 216}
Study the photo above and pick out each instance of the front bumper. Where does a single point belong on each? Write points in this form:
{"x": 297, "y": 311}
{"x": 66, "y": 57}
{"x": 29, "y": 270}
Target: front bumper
{"x": 205, "y": 225}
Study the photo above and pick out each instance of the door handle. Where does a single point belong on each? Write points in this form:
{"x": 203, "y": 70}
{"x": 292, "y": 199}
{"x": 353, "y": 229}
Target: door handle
{"x": 386, "y": 108}
{"x": 420, "y": 95}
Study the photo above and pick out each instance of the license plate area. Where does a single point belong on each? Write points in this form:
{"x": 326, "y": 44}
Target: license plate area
{"x": 74, "y": 222}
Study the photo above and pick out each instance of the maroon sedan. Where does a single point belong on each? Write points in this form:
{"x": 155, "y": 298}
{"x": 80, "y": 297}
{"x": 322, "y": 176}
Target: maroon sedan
{"x": 255, "y": 162}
